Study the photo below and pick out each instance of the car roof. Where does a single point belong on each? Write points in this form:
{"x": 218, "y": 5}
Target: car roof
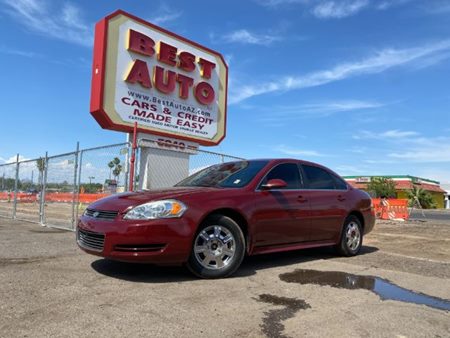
{"x": 280, "y": 160}
{"x": 273, "y": 161}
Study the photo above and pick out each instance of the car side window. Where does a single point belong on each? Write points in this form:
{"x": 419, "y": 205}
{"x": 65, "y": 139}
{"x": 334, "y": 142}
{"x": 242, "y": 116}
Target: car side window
{"x": 339, "y": 183}
{"x": 318, "y": 178}
{"x": 287, "y": 172}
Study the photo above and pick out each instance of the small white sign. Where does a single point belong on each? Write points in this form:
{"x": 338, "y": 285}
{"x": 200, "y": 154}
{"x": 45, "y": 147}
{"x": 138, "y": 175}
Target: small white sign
{"x": 166, "y": 143}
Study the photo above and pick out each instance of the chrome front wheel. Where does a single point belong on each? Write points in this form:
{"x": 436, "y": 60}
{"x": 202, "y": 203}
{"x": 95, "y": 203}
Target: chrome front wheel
{"x": 214, "y": 247}
{"x": 218, "y": 248}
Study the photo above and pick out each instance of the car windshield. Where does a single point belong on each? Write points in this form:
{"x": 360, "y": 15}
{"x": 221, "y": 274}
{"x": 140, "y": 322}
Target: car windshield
{"x": 224, "y": 175}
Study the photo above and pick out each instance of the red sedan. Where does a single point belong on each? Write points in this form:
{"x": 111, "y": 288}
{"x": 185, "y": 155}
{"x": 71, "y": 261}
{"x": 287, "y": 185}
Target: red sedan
{"x": 210, "y": 220}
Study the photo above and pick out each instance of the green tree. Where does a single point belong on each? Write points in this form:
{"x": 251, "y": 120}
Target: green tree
{"x": 90, "y": 188}
{"x": 115, "y": 168}
{"x": 424, "y": 197}
{"x": 381, "y": 187}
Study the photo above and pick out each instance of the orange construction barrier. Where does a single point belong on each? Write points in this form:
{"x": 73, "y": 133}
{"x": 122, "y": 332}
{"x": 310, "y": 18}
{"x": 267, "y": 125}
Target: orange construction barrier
{"x": 392, "y": 208}
{"x": 65, "y": 197}
{"x": 68, "y": 197}
{"x": 21, "y": 196}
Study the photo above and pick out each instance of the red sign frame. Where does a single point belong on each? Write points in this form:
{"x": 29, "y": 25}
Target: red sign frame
{"x": 98, "y": 82}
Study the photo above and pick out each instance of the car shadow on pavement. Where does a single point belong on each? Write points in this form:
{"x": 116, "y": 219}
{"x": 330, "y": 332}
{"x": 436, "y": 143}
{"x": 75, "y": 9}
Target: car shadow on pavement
{"x": 145, "y": 273}
{"x": 252, "y": 264}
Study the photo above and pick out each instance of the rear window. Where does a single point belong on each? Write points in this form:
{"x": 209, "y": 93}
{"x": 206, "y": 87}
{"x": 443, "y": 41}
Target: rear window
{"x": 318, "y": 178}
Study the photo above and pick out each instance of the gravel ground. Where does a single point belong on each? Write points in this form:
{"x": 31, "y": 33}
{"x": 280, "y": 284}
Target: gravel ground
{"x": 50, "y": 288}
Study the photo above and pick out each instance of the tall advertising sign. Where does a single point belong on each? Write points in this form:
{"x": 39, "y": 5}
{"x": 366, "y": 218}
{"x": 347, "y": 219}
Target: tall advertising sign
{"x": 171, "y": 86}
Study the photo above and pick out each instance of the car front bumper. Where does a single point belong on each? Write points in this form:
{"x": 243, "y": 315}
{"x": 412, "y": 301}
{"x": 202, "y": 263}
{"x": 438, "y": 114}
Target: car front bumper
{"x": 162, "y": 242}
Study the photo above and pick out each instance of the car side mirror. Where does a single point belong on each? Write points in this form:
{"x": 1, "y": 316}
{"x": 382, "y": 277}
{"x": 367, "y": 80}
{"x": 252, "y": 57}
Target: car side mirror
{"x": 275, "y": 183}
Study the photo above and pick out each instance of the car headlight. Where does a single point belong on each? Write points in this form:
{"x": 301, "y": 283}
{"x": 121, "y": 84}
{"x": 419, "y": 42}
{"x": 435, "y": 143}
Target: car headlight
{"x": 157, "y": 209}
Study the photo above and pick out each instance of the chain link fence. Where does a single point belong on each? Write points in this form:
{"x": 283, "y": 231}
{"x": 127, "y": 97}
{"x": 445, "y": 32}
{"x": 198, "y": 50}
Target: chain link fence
{"x": 8, "y": 187}
{"x": 29, "y": 182}
{"x": 102, "y": 170}
{"x": 55, "y": 190}
{"x": 59, "y": 191}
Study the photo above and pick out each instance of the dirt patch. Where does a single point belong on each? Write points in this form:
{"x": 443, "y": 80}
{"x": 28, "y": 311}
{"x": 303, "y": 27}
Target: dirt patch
{"x": 19, "y": 261}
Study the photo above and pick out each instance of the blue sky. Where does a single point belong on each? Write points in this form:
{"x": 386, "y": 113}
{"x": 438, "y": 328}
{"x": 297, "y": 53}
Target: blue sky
{"x": 361, "y": 86}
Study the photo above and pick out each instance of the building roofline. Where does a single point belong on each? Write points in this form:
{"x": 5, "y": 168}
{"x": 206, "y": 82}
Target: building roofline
{"x": 409, "y": 177}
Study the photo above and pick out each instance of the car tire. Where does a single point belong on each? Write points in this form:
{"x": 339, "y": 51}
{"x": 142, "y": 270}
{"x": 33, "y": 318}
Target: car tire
{"x": 218, "y": 248}
{"x": 351, "y": 237}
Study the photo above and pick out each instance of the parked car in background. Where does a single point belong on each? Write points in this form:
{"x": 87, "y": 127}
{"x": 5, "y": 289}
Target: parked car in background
{"x": 213, "y": 218}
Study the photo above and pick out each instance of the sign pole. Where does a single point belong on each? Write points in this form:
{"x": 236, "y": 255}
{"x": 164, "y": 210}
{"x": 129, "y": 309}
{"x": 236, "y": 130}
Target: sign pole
{"x": 133, "y": 158}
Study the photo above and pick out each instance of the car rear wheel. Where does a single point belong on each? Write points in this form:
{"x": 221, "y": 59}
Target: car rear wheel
{"x": 351, "y": 237}
{"x": 218, "y": 248}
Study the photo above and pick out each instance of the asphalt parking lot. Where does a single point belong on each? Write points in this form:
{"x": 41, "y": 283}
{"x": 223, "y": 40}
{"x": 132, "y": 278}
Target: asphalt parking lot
{"x": 50, "y": 288}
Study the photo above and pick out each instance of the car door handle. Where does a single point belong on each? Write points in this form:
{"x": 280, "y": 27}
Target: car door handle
{"x": 301, "y": 199}
{"x": 341, "y": 198}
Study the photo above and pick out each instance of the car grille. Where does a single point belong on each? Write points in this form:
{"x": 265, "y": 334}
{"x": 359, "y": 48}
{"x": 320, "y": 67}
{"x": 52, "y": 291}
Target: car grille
{"x": 101, "y": 214}
{"x": 139, "y": 247}
{"x": 90, "y": 240}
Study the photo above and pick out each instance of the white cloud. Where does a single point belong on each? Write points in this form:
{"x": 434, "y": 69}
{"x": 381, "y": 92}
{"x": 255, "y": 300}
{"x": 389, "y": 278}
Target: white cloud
{"x": 13, "y": 159}
{"x": 409, "y": 146}
{"x": 288, "y": 114}
{"x": 442, "y": 176}
{"x": 246, "y": 37}
{"x": 66, "y": 25}
{"x": 377, "y": 63}
{"x": 327, "y": 108}
{"x": 441, "y": 154}
{"x": 276, "y": 3}
{"x": 389, "y": 134}
{"x": 338, "y": 9}
{"x": 19, "y": 52}
{"x": 164, "y": 15}
{"x": 424, "y": 150}
{"x": 398, "y": 134}
{"x": 348, "y": 170}
{"x": 387, "y": 4}
{"x": 297, "y": 152}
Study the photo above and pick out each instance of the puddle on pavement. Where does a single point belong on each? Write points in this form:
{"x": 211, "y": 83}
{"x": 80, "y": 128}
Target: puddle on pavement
{"x": 272, "y": 326}
{"x": 382, "y": 287}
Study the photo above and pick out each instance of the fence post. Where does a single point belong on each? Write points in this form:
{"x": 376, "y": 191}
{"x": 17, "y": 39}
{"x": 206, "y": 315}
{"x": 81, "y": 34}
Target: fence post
{"x": 127, "y": 165}
{"x": 44, "y": 187}
{"x": 136, "y": 168}
{"x": 16, "y": 185}
{"x": 77, "y": 202}
{"x": 75, "y": 188}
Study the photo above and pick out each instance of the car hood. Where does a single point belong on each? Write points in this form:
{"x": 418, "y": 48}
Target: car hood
{"x": 124, "y": 201}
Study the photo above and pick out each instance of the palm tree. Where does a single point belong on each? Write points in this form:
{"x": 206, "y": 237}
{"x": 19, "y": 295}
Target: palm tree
{"x": 111, "y": 166}
{"x": 115, "y": 168}
{"x": 422, "y": 196}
